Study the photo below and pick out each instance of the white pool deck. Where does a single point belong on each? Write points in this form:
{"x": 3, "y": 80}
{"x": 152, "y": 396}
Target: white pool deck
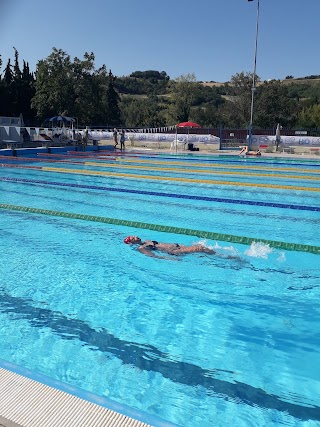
{"x": 27, "y": 403}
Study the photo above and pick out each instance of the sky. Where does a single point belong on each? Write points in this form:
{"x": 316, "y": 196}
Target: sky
{"x": 214, "y": 39}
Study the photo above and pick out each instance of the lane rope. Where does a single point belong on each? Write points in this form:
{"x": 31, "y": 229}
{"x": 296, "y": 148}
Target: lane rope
{"x": 177, "y": 179}
{"x": 161, "y": 178}
{"x": 226, "y": 160}
{"x": 161, "y": 194}
{"x": 203, "y": 171}
{"x": 216, "y": 165}
{"x": 167, "y": 229}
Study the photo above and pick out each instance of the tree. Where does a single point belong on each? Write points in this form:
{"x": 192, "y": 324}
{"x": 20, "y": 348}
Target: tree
{"x": 238, "y": 108}
{"x": 142, "y": 112}
{"x": 133, "y": 112}
{"x": 208, "y": 115}
{"x": 150, "y": 74}
{"x": 54, "y": 85}
{"x": 143, "y": 82}
{"x": 75, "y": 88}
{"x": 149, "y": 98}
{"x": 273, "y": 105}
{"x": 310, "y": 117}
{"x": 8, "y": 74}
{"x": 89, "y": 85}
{"x": 7, "y": 92}
{"x": 112, "y": 103}
{"x": 16, "y": 67}
{"x": 16, "y": 90}
{"x": 26, "y": 95}
{"x": 183, "y": 93}
{"x": 16, "y": 85}
{"x": 154, "y": 112}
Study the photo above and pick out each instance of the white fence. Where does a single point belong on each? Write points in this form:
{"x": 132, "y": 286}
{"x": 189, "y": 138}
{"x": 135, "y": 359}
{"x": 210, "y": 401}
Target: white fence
{"x": 286, "y": 141}
{"x": 157, "y": 137}
{"x": 12, "y": 131}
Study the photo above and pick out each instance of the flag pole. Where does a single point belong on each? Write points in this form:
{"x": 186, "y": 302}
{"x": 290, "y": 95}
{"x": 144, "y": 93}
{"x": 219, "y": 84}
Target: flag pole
{"x": 253, "y": 88}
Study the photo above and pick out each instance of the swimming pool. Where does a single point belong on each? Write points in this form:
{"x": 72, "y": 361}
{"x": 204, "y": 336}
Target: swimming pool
{"x": 200, "y": 342}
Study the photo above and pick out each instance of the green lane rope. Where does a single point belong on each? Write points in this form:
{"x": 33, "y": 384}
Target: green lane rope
{"x": 167, "y": 229}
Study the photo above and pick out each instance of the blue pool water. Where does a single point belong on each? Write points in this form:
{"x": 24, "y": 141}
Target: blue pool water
{"x": 204, "y": 341}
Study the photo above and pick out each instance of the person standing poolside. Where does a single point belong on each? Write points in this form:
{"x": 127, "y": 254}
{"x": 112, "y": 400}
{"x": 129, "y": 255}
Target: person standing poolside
{"x": 115, "y": 137}
{"x": 148, "y": 247}
{"x": 122, "y": 140}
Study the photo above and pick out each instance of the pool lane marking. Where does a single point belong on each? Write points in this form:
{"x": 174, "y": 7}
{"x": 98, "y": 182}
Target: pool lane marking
{"x": 160, "y": 178}
{"x": 205, "y": 172}
{"x": 179, "y": 163}
{"x": 161, "y": 194}
{"x": 166, "y": 178}
{"x": 248, "y": 160}
{"x": 226, "y": 162}
{"x": 167, "y": 229}
{"x": 218, "y": 165}
{"x": 37, "y": 159}
{"x": 138, "y": 159}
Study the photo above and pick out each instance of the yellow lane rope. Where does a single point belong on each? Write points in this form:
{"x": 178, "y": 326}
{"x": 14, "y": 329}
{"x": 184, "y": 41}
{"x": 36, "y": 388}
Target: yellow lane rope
{"x": 217, "y": 165}
{"x": 166, "y": 178}
{"x": 205, "y": 172}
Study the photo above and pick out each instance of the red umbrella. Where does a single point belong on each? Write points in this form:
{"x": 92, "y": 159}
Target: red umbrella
{"x": 188, "y": 125}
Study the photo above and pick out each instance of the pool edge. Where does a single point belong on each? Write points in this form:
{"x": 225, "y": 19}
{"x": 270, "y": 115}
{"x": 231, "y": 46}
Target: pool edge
{"x": 30, "y": 399}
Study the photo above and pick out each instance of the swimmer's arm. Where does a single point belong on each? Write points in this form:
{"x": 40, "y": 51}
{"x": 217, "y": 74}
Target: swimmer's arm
{"x": 146, "y": 251}
{"x": 235, "y": 257}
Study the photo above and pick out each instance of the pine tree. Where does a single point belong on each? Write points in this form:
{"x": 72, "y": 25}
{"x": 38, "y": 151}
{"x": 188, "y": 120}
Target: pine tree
{"x": 16, "y": 68}
{"x": 16, "y": 86}
{"x": 27, "y": 93}
{"x": 112, "y": 101}
{"x": 17, "y": 90}
{"x": 8, "y": 74}
{"x": 7, "y": 96}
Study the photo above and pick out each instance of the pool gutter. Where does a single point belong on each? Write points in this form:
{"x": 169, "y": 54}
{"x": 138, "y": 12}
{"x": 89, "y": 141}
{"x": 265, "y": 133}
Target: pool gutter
{"x": 25, "y": 402}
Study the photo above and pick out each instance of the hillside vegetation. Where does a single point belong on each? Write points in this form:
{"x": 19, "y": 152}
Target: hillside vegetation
{"x": 96, "y": 97}
{"x": 158, "y": 83}
{"x": 291, "y": 102}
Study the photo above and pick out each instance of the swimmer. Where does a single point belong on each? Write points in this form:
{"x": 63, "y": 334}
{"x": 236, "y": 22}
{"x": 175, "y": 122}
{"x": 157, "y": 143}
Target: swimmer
{"x": 148, "y": 247}
{"x": 245, "y": 152}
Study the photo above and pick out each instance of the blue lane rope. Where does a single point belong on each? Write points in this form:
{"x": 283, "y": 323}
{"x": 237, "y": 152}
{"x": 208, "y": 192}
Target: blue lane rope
{"x": 172, "y": 195}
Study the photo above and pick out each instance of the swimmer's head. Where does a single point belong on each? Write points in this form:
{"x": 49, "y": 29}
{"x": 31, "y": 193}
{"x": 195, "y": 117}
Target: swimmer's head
{"x": 132, "y": 240}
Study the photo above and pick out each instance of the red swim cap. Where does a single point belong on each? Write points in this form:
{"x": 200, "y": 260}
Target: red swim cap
{"x": 127, "y": 240}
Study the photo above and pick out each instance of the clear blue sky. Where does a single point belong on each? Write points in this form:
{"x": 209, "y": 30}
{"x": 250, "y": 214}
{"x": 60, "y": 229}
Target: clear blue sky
{"x": 214, "y": 39}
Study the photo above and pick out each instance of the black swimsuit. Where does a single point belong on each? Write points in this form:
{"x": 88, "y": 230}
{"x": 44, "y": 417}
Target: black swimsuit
{"x": 155, "y": 243}
{"x": 152, "y": 245}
